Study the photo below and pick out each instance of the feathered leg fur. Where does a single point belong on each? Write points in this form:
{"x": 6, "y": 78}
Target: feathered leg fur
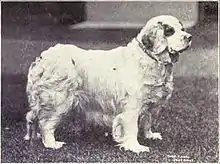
{"x": 125, "y": 128}
{"x": 51, "y": 92}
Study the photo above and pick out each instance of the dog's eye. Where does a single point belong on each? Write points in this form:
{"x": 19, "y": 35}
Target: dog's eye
{"x": 183, "y": 29}
{"x": 168, "y": 30}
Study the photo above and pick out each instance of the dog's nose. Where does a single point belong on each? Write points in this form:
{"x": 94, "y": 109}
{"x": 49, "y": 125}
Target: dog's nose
{"x": 188, "y": 37}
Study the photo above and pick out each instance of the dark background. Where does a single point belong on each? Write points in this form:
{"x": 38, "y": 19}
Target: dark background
{"x": 50, "y": 12}
{"x": 189, "y": 122}
{"x": 70, "y": 12}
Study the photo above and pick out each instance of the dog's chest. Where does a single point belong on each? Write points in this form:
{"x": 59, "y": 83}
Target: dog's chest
{"x": 158, "y": 84}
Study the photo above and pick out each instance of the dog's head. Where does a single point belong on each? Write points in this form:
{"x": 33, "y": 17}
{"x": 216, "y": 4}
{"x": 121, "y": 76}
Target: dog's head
{"x": 162, "y": 33}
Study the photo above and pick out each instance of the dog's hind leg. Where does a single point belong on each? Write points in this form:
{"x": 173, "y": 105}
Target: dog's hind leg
{"x": 28, "y": 134}
{"x": 30, "y": 125}
{"x": 49, "y": 119}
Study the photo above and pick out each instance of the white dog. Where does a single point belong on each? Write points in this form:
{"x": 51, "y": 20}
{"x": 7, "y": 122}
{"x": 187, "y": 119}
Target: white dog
{"x": 124, "y": 83}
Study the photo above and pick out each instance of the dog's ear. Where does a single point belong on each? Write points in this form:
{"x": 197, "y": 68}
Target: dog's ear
{"x": 154, "y": 39}
{"x": 147, "y": 42}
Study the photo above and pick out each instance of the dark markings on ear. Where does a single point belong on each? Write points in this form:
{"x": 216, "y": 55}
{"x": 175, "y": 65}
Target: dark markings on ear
{"x": 168, "y": 30}
{"x": 73, "y": 62}
{"x": 147, "y": 42}
{"x": 154, "y": 40}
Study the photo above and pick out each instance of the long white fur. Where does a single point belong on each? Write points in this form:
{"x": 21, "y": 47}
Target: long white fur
{"x": 111, "y": 88}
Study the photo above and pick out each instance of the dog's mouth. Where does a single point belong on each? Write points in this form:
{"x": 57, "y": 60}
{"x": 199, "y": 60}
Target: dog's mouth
{"x": 180, "y": 51}
{"x": 174, "y": 55}
{"x": 172, "y": 51}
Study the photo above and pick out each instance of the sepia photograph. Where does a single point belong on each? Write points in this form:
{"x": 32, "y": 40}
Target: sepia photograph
{"x": 109, "y": 81}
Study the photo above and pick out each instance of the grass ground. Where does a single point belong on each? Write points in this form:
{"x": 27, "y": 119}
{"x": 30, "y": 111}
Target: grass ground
{"x": 188, "y": 123}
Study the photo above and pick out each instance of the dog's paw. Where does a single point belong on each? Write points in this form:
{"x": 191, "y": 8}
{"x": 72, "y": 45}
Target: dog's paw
{"x": 134, "y": 147}
{"x": 55, "y": 145}
{"x": 27, "y": 137}
{"x": 38, "y": 136}
{"x": 153, "y": 136}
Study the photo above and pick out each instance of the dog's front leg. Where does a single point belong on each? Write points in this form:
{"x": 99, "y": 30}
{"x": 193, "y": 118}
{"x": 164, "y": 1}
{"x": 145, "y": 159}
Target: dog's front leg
{"x": 146, "y": 121}
{"x": 125, "y": 130}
